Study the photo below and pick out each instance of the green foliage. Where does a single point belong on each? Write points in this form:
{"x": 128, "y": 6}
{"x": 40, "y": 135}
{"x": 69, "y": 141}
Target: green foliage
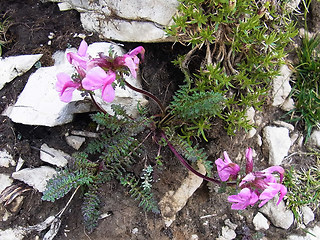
{"x": 306, "y": 87}
{"x": 64, "y": 181}
{"x": 245, "y": 42}
{"x": 189, "y": 104}
{"x": 303, "y": 187}
{"x": 189, "y": 152}
{"x": 140, "y": 193}
{"x": 147, "y": 178}
{"x": 105, "y": 158}
{"x": 90, "y": 208}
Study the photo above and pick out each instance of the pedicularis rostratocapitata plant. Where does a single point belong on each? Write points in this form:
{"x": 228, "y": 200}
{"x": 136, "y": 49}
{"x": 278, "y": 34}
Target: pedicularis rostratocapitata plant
{"x": 115, "y": 150}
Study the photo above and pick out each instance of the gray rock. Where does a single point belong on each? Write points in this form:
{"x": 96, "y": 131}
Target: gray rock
{"x": 53, "y": 156}
{"x": 251, "y": 133}
{"x": 6, "y": 160}
{"x": 227, "y": 234}
{"x": 75, "y": 141}
{"x": 307, "y": 215}
{"x": 35, "y": 177}
{"x": 289, "y": 126}
{"x": 174, "y": 201}
{"x": 250, "y": 115}
{"x": 126, "y": 20}
{"x": 311, "y": 234}
{"x": 281, "y": 87}
{"x": 12, "y": 67}
{"x": 315, "y": 139}
{"x": 292, "y": 5}
{"x": 5, "y": 181}
{"x": 278, "y": 214}
{"x": 260, "y": 222}
{"x": 12, "y": 234}
{"x": 288, "y": 105}
{"x": 85, "y": 133}
{"x": 277, "y": 142}
{"x": 39, "y": 102}
{"x": 19, "y": 164}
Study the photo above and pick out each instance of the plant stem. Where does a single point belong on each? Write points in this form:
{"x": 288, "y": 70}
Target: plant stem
{"x": 150, "y": 95}
{"x": 187, "y": 165}
{"x": 97, "y": 105}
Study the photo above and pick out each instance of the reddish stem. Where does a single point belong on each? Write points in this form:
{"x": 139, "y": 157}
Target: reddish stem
{"x": 97, "y": 105}
{"x": 187, "y": 165}
{"x": 150, "y": 95}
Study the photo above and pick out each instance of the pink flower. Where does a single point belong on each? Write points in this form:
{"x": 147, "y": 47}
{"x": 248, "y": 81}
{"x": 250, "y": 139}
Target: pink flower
{"x": 259, "y": 185}
{"x": 81, "y": 57}
{"x": 65, "y": 86}
{"x": 243, "y": 199}
{"x": 130, "y": 60}
{"x": 249, "y": 164}
{"x": 273, "y": 169}
{"x": 226, "y": 168}
{"x": 272, "y": 190}
{"x": 97, "y": 78}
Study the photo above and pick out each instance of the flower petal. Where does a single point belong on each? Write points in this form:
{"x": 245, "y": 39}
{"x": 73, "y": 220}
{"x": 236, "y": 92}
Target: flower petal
{"x": 273, "y": 169}
{"x": 131, "y": 65}
{"x": 271, "y": 191}
{"x": 62, "y": 79}
{"x": 243, "y": 199}
{"x": 66, "y": 96}
{"x": 136, "y": 51}
{"x": 249, "y": 163}
{"x": 226, "y": 168}
{"x": 82, "y": 51}
{"x": 95, "y": 79}
{"x": 108, "y": 93}
{"x": 65, "y": 86}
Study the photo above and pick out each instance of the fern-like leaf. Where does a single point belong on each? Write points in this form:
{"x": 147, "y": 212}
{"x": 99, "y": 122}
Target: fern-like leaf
{"x": 191, "y": 153}
{"x": 139, "y": 193}
{"x": 90, "y": 208}
{"x": 63, "y": 182}
{"x": 191, "y": 105}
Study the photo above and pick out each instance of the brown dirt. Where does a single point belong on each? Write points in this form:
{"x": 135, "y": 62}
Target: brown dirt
{"x": 32, "y": 21}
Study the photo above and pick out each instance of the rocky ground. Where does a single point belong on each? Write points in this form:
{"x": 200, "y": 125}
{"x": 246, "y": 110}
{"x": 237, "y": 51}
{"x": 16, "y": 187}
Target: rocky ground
{"x": 32, "y": 126}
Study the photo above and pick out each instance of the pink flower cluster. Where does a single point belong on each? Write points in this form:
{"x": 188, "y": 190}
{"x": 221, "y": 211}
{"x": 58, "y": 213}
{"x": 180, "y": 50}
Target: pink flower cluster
{"x": 255, "y": 186}
{"x": 96, "y": 73}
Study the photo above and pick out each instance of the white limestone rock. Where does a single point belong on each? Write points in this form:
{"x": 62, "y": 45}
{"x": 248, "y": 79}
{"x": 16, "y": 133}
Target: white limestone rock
{"x": 289, "y": 126}
{"x": 12, "y": 234}
{"x": 174, "y": 201}
{"x": 12, "y": 67}
{"x": 311, "y": 234}
{"x": 292, "y": 5}
{"x": 5, "y": 181}
{"x": 251, "y": 133}
{"x": 19, "y": 164}
{"x": 307, "y": 215}
{"x": 250, "y": 115}
{"x": 260, "y": 222}
{"x": 277, "y": 142}
{"x": 315, "y": 139}
{"x": 75, "y": 141}
{"x": 228, "y": 233}
{"x": 39, "y": 102}
{"x": 6, "y": 160}
{"x": 53, "y": 156}
{"x": 288, "y": 105}
{"x": 281, "y": 87}
{"x": 84, "y": 133}
{"x": 126, "y": 20}
{"x": 35, "y": 177}
{"x": 278, "y": 214}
